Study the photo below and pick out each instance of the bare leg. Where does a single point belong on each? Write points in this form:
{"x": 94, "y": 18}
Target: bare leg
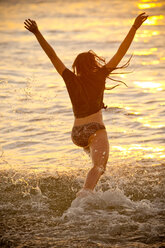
{"x": 99, "y": 151}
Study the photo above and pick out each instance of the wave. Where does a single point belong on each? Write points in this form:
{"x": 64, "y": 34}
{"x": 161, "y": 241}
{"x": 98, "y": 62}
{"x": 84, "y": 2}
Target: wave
{"x": 42, "y": 209}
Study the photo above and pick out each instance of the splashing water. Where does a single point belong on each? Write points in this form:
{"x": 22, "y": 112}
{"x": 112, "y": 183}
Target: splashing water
{"x": 43, "y": 209}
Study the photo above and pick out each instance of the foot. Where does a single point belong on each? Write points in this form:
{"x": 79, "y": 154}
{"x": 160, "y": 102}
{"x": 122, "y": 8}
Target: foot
{"x": 84, "y": 192}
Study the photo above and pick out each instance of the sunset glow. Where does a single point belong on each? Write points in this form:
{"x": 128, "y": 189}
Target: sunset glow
{"x": 155, "y": 20}
{"x": 149, "y": 5}
{"x": 147, "y": 84}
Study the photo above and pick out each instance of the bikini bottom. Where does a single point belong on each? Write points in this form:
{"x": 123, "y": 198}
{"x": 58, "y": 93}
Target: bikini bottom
{"x": 80, "y": 134}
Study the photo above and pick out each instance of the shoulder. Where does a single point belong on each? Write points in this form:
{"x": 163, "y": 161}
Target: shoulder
{"x": 67, "y": 73}
{"x": 104, "y": 71}
{"x": 69, "y": 77}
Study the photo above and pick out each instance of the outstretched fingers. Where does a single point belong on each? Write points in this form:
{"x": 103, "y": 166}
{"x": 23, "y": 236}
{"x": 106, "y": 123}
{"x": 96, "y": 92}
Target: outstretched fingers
{"x": 27, "y": 24}
{"x": 30, "y": 25}
{"x": 140, "y": 19}
{"x": 29, "y": 21}
{"x": 142, "y": 13}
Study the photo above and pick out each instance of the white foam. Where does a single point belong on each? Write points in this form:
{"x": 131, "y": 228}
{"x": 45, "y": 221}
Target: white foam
{"x": 109, "y": 203}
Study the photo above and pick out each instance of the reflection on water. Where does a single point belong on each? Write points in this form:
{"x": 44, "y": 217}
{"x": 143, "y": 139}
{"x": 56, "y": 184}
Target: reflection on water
{"x": 146, "y": 52}
{"x": 149, "y": 85}
{"x": 140, "y": 150}
{"x": 155, "y": 20}
{"x": 149, "y": 5}
{"x": 41, "y": 169}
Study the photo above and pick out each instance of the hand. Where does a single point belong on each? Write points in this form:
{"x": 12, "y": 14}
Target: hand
{"x": 31, "y": 25}
{"x": 139, "y": 20}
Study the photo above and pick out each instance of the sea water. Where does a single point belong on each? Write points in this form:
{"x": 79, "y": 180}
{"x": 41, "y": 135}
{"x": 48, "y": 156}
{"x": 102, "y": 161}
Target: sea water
{"x": 41, "y": 170}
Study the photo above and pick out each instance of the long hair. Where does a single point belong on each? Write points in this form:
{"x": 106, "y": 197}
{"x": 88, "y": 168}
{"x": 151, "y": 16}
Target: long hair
{"x": 88, "y": 62}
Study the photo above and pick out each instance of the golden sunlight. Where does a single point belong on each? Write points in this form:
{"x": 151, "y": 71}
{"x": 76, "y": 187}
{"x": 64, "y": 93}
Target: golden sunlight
{"x": 147, "y": 122}
{"x": 149, "y": 5}
{"x": 153, "y": 62}
{"x": 150, "y": 151}
{"x": 148, "y": 84}
{"x": 152, "y": 87}
{"x": 144, "y": 1}
{"x": 154, "y": 20}
{"x": 146, "y": 33}
{"x": 146, "y": 52}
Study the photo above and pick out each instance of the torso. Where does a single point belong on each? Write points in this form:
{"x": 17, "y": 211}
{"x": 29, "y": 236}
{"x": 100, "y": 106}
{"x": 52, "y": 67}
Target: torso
{"x": 96, "y": 117}
{"x": 86, "y": 95}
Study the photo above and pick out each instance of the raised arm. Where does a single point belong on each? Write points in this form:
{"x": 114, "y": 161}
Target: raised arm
{"x": 126, "y": 42}
{"x": 31, "y": 25}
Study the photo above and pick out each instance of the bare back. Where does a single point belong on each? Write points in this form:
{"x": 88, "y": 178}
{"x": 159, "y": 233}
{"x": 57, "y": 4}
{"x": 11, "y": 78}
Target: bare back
{"x": 96, "y": 117}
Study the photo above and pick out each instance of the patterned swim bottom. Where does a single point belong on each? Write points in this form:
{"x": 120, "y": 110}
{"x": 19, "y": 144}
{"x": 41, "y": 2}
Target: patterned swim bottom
{"x": 80, "y": 134}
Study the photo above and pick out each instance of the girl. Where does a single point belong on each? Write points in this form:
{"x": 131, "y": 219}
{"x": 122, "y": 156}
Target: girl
{"x": 86, "y": 85}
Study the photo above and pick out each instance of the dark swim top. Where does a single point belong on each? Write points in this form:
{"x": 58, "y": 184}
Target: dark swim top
{"x": 86, "y": 94}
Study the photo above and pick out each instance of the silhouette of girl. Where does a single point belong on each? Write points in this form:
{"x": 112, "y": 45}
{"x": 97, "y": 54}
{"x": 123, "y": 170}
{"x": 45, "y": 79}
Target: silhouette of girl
{"x": 86, "y": 85}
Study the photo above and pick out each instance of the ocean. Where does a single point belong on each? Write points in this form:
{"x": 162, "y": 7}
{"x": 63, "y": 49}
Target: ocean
{"x": 41, "y": 170}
